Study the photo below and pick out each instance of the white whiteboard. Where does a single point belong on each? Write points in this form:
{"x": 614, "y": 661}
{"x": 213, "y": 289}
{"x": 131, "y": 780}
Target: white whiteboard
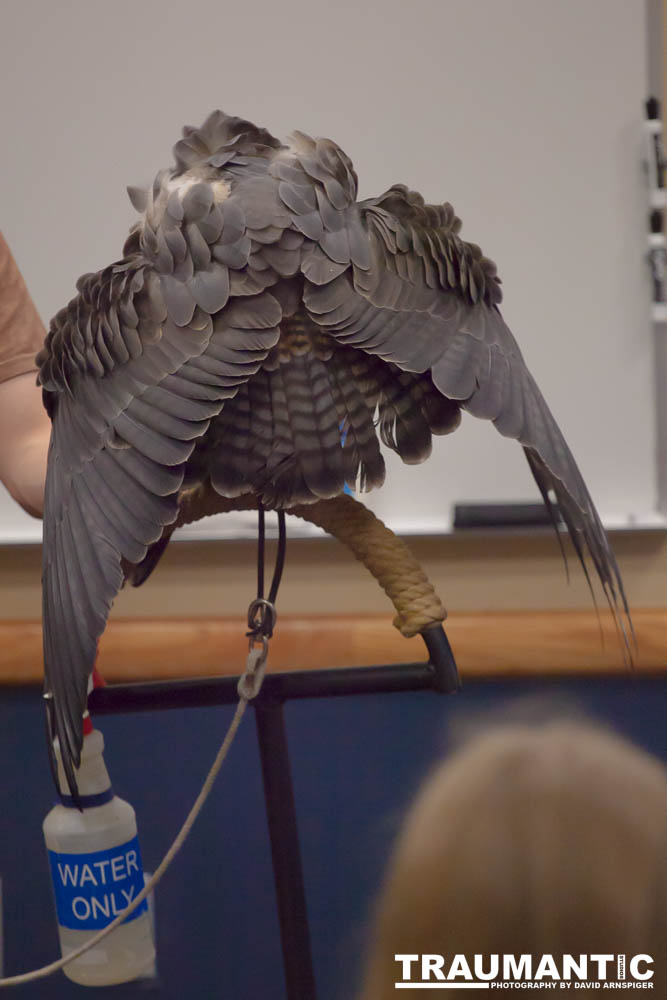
{"x": 526, "y": 114}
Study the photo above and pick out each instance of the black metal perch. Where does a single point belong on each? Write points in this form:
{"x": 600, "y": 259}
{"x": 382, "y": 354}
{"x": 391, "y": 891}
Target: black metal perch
{"x": 439, "y": 675}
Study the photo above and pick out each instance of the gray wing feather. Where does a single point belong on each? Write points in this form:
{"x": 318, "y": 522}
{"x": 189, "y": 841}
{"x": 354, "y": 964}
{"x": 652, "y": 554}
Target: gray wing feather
{"x": 133, "y": 370}
{"x": 393, "y": 277}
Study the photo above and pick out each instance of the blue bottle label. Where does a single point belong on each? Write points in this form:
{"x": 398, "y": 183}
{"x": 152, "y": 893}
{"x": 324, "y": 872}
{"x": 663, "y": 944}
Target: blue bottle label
{"x": 92, "y": 889}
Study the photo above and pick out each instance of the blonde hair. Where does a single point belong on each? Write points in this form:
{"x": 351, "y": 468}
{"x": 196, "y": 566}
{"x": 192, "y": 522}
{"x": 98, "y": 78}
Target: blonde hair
{"x": 529, "y": 841}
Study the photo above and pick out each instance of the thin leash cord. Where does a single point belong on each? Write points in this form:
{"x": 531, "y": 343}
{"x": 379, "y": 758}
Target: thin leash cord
{"x": 262, "y": 612}
{"x": 280, "y": 555}
{"x": 260, "y": 552}
{"x": 249, "y": 685}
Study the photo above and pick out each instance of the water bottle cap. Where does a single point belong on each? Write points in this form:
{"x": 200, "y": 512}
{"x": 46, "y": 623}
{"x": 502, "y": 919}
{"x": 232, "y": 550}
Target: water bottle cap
{"x": 92, "y": 776}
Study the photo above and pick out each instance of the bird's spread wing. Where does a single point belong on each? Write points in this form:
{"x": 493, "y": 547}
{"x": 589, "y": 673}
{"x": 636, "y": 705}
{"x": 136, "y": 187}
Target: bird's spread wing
{"x": 393, "y": 277}
{"x": 243, "y": 233}
{"x": 133, "y": 370}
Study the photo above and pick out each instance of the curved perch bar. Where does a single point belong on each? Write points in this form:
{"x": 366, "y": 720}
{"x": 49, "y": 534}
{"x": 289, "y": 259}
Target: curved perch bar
{"x": 385, "y": 556}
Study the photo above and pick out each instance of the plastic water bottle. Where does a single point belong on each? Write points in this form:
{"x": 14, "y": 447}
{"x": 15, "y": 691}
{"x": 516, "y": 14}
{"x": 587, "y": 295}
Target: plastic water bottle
{"x": 97, "y": 871}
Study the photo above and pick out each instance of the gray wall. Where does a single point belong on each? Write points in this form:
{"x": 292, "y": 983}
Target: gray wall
{"x": 526, "y": 114}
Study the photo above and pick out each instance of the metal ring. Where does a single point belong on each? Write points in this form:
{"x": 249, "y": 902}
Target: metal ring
{"x": 261, "y": 616}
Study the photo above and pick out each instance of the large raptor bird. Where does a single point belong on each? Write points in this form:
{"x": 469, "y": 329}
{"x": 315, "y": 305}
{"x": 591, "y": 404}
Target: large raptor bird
{"x": 261, "y": 315}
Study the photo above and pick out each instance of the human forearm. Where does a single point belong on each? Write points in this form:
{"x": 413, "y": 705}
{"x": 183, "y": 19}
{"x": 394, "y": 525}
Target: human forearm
{"x": 24, "y": 425}
{"x": 24, "y": 440}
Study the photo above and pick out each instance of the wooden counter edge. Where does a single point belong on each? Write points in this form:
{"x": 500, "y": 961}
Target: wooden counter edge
{"x": 533, "y": 643}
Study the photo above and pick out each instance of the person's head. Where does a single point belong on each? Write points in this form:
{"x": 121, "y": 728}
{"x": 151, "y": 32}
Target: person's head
{"x": 548, "y": 840}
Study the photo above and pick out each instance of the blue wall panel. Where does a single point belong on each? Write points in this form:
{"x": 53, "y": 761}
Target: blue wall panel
{"x": 356, "y": 764}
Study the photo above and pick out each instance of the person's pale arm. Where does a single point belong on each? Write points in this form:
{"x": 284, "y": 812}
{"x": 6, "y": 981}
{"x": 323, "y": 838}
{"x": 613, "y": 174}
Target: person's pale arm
{"x": 24, "y": 425}
{"x": 25, "y": 430}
